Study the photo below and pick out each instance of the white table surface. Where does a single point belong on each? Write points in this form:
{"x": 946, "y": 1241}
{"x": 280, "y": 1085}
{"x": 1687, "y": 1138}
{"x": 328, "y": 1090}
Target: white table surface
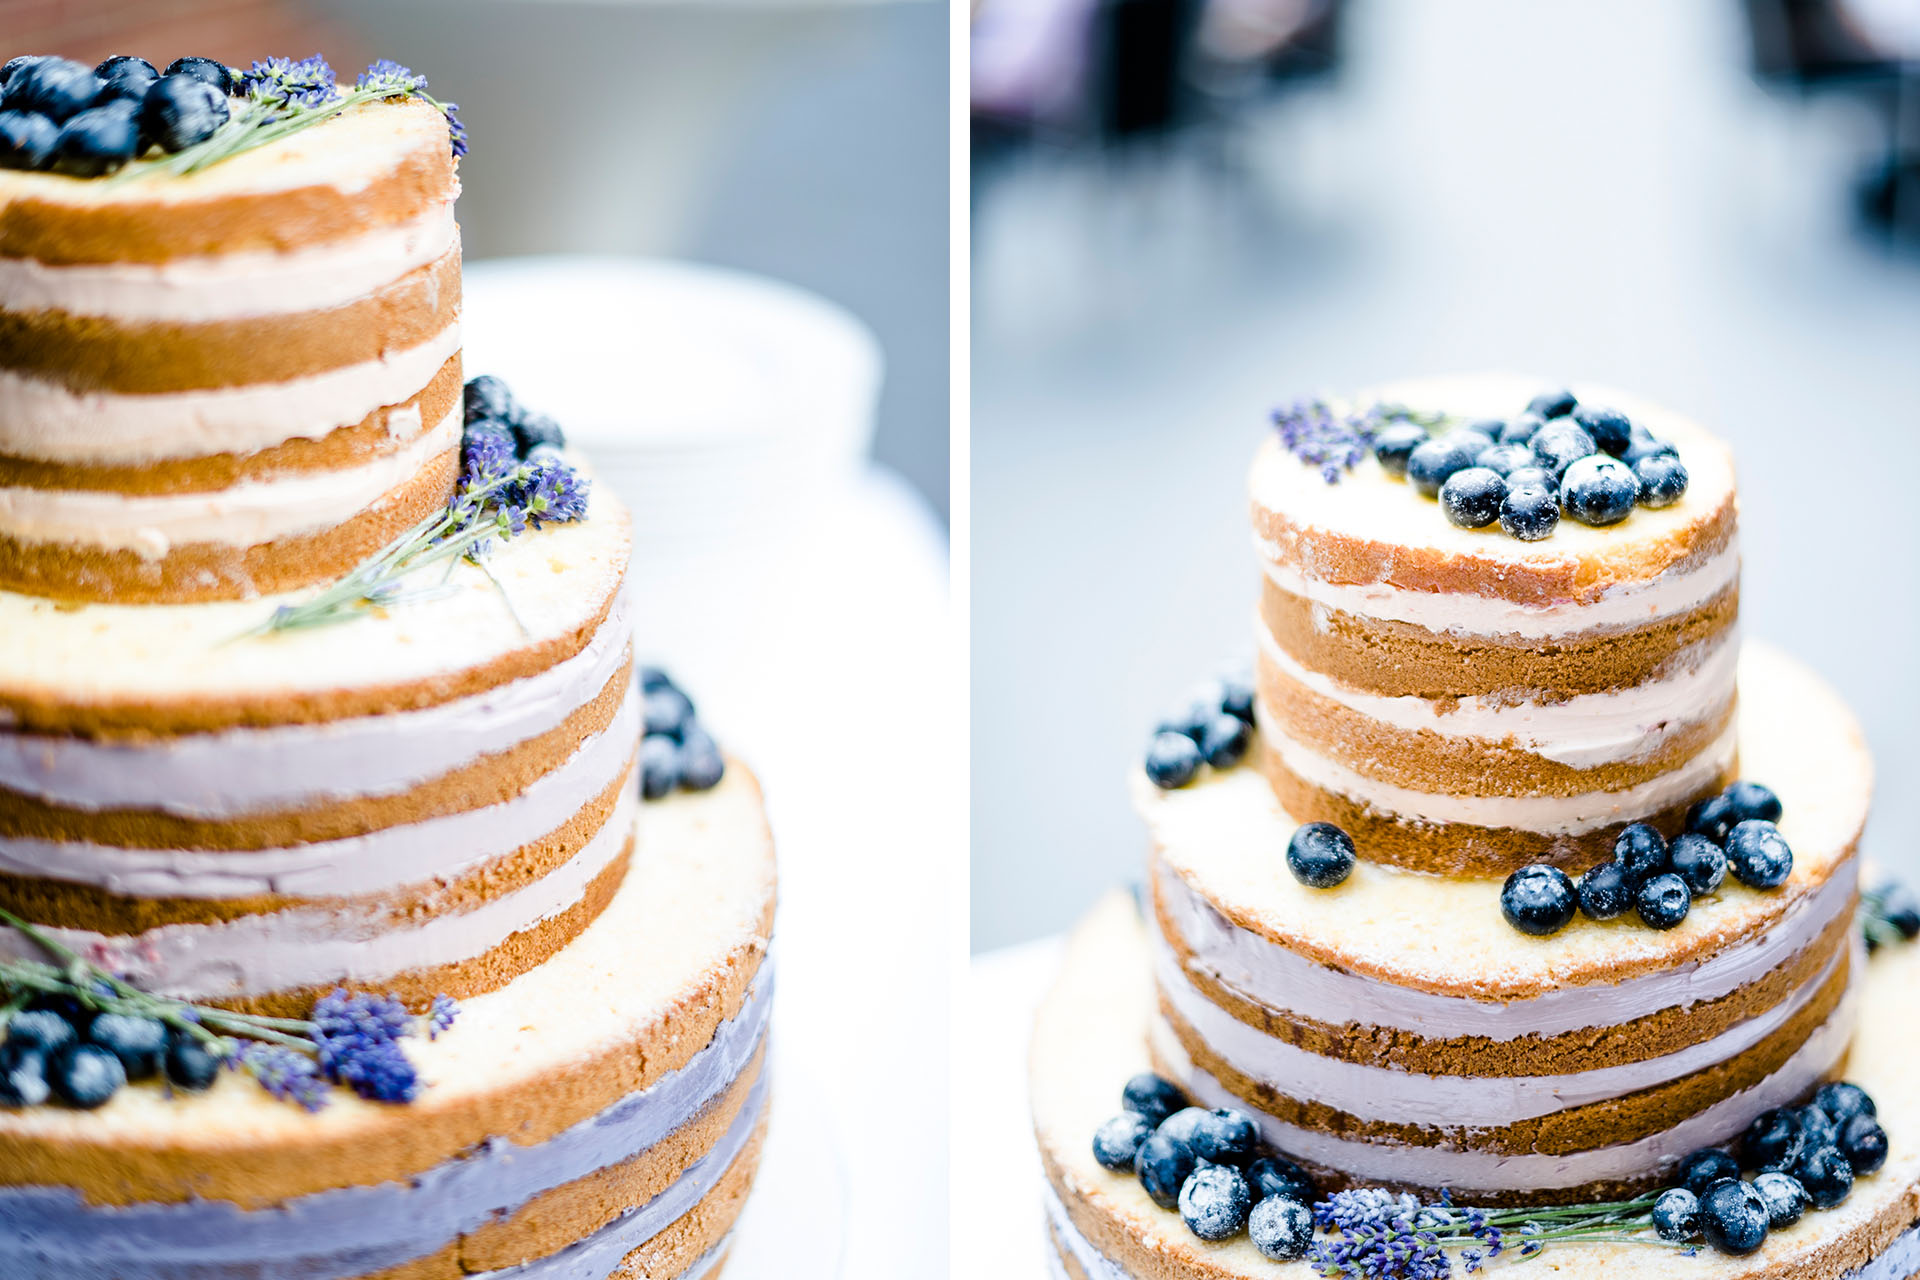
{"x": 996, "y": 1167}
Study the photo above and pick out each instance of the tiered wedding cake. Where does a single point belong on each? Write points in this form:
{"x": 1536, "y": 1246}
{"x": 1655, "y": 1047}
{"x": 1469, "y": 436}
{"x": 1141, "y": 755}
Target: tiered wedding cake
{"x": 1464, "y": 704}
{"x": 219, "y": 393}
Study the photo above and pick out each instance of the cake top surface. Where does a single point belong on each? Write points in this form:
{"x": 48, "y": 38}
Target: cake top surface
{"x": 1370, "y": 526}
{"x": 1091, "y": 1036}
{"x": 557, "y": 582}
{"x": 348, "y": 153}
{"x": 1226, "y": 836}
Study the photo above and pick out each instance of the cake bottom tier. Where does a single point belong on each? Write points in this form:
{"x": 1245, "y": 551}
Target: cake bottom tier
{"x": 1093, "y": 1033}
{"x": 601, "y": 1115}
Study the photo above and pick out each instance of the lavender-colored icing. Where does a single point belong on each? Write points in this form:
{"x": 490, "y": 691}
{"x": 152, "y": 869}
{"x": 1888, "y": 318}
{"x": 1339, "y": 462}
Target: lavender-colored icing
{"x": 1898, "y": 1261}
{"x": 215, "y": 776}
{"x": 51, "y": 1233}
{"x": 1391, "y": 1094}
{"x": 1267, "y": 973}
{"x": 1095, "y": 1264}
{"x": 381, "y": 860}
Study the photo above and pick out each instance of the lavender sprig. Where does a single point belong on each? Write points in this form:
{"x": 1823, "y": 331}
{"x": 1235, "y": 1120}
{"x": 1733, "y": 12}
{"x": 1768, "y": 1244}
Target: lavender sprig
{"x": 1381, "y": 1236}
{"x": 351, "y": 1040}
{"x": 280, "y": 97}
{"x": 1335, "y": 437}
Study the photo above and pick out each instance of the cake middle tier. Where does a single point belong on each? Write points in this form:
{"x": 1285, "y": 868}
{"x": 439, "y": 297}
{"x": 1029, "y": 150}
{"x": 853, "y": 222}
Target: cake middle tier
{"x": 1397, "y": 1030}
{"x": 432, "y": 799}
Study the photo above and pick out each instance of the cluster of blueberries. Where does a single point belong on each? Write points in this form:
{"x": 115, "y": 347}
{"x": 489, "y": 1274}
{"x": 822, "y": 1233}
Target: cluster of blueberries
{"x": 1560, "y": 455}
{"x": 59, "y": 114}
{"x": 57, "y": 1048}
{"x": 677, "y": 751}
{"x": 1211, "y": 1166}
{"x": 1733, "y": 831}
{"x": 1215, "y": 729}
{"x": 1801, "y": 1157}
{"x": 490, "y": 409}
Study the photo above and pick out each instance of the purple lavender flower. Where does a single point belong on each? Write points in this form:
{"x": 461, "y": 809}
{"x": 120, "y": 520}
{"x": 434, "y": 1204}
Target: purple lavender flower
{"x": 391, "y": 76}
{"x": 358, "y": 1042}
{"x": 1335, "y": 439}
{"x": 377, "y": 1070}
{"x": 291, "y": 85}
{"x": 554, "y": 491}
{"x": 285, "y": 1073}
{"x": 441, "y": 1016}
{"x": 456, "y": 131}
{"x": 486, "y": 452}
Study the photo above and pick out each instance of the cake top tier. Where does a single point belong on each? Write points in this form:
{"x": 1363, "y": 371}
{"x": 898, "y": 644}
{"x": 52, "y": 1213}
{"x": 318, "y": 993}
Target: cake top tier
{"x": 1369, "y": 527}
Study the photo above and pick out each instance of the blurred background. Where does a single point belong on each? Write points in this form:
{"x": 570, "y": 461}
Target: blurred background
{"x": 1187, "y": 212}
{"x": 711, "y": 239}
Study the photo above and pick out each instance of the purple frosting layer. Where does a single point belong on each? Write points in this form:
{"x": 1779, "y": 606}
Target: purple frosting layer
{"x": 51, "y": 1233}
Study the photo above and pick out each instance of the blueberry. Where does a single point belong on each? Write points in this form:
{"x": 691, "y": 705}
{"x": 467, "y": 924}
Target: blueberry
{"x": 1521, "y": 429}
{"x": 190, "y": 1065}
{"x": 1901, "y": 910}
{"x": 1604, "y": 892}
{"x": 57, "y": 88}
{"x": 20, "y": 63}
{"x": 1117, "y": 1142}
{"x": 1535, "y": 476}
{"x": 1163, "y": 1166}
{"x": 1275, "y": 1176}
{"x": 1474, "y": 439}
{"x": 1664, "y": 901}
{"x": 1698, "y": 861}
{"x": 126, "y": 77}
{"x": 1713, "y": 817}
{"x": 1396, "y": 444}
{"x": 1215, "y": 1201}
{"x": 1838, "y": 1100}
{"x": 1507, "y": 459}
{"x": 1662, "y": 479}
{"x": 1641, "y": 852}
{"x": 1320, "y": 855}
{"x": 41, "y": 1029}
{"x": 1172, "y": 760}
{"x": 1864, "y": 1143}
{"x": 701, "y": 764}
{"x": 1759, "y": 855}
{"x": 1773, "y": 1141}
{"x": 126, "y": 62}
{"x": 1553, "y": 403}
{"x": 1705, "y": 1167}
{"x": 1151, "y": 1096}
{"x": 26, "y": 140}
{"x": 668, "y": 711}
{"x": 1472, "y": 497}
{"x": 1560, "y": 444}
{"x": 1676, "y": 1215}
{"x": 659, "y": 765}
{"x": 1733, "y": 1218}
{"x": 1529, "y": 512}
{"x": 1182, "y": 1125}
{"x": 1538, "y": 900}
{"x": 1281, "y": 1228}
{"x": 1827, "y": 1175}
{"x": 181, "y": 110}
{"x": 98, "y": 140}
{"x": 207, "y": 69}
{"x": 1224, "y": 741}
{"x": 1746, "y": 800}
{"x": 139, "y": 1043}
{"x": 1599, "y": 491}
{"x": 23, "y": 1075}
{"x": 1226, "y": 1137}
{"x": 536, "y": 429}
{"x": 1429, "y": 465}
{"x": 1819, "y": 1128}
{"x": 1644, "y": 447}
{"x": 487, "y": 397}
{"x": 1236, "y": 699}
{"x": 1783, "y": 1196}
{"x": 86, "y": 1075}
{"x": 1610, "y": 429}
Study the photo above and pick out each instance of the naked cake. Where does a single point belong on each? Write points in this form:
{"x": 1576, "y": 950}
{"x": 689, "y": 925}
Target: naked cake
{"x": 1506, "y": 880}
{"x": 325, "y": 765}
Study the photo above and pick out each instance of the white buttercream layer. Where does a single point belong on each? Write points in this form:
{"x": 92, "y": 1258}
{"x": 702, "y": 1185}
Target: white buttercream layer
{"x": 235, "y": 285}
{"x": 1265, "y": 973}
{"x": 1490, "y": 1171}
{"x": 43, "y": 420}
{"x": 393, "y": 857}
{"x": 248, "y": 514}
{"x": 1093, "y": 1264}
{"x": 1447, "y": 1102}
{"x": 215, "y": 776}
{"x": 1582, "y": 732}
{"x": 1542, "y": 815}
{"x": 287, "y": 950}
{"x": 1621, "y": 608}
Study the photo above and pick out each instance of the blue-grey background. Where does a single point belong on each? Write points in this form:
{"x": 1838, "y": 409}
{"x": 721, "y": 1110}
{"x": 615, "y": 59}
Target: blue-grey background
{"x": 1590, "y": 190}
